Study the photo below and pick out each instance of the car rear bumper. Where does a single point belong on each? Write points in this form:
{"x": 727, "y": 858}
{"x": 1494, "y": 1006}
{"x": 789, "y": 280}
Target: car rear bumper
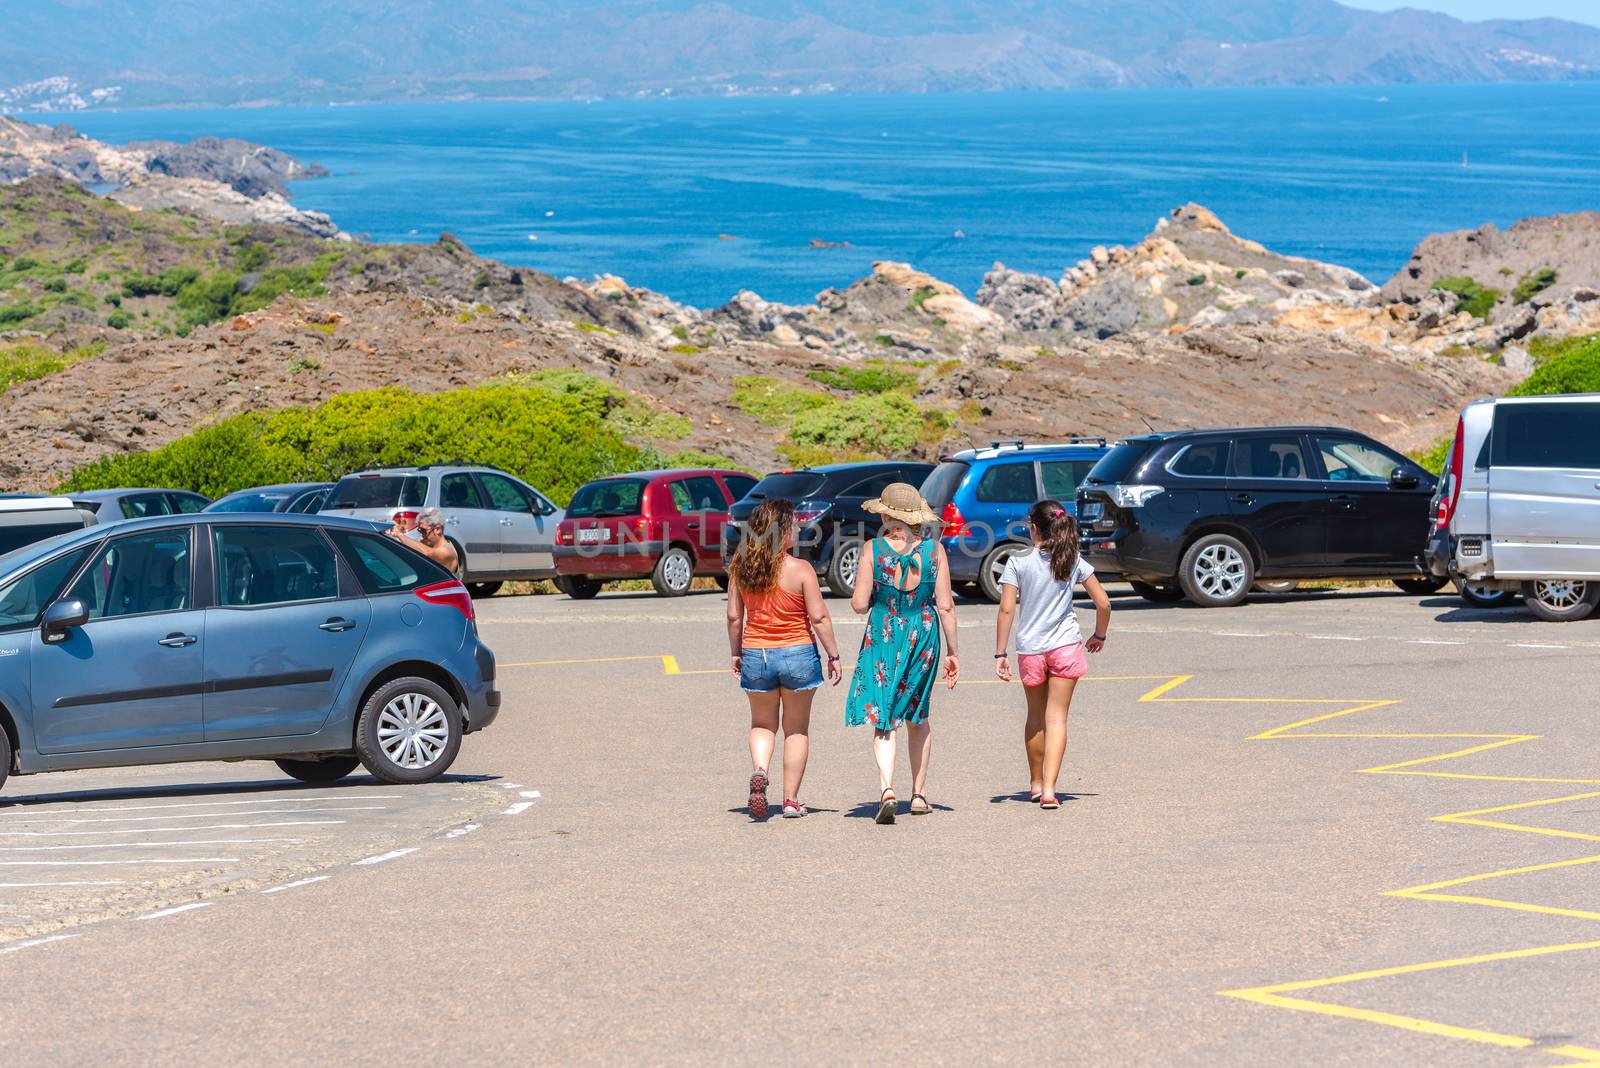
{"x": 626, "y": 559}
{"x": 483, "y": 700}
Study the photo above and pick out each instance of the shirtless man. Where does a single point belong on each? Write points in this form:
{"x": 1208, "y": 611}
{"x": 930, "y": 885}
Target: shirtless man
{"x": 434, "y": 545}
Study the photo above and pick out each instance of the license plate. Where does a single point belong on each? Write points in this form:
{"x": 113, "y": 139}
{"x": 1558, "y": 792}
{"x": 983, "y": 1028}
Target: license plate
{"x": 1089, "y": 511}
{"x": 594, "y": 534}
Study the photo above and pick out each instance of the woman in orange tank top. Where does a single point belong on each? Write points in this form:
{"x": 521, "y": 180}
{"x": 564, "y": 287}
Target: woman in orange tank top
{"x": 776, "y": 616}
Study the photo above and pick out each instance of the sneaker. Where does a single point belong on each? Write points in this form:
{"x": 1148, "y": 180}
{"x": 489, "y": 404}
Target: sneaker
{"x": 758, "y": 794}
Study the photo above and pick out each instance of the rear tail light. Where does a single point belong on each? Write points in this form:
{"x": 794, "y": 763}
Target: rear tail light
{"x": 451, "y": 593}
{"x": 809, "y": 512}
{"x": 407, "y": 520}
{"x": 955, "y": 524}
{"x": 1450, "y": 496}
{"x": 564, "y": 535}
{"x": 1129, "y": 496}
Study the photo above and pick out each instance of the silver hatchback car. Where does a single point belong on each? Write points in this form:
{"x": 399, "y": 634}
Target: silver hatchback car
{"x": 502, "y": 528}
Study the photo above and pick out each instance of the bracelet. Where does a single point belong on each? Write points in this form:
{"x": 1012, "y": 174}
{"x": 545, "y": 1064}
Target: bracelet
{"x": 833, "y": 660}
{"x": 1097, "y": 637}
{"x": 1000, "y": 656}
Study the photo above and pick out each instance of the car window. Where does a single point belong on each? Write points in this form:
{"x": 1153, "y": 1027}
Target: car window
{"x": 698, "y": 494}
{"x": 384, "y": 566}
{"x": 940, "y": 485}
{"x": 189, "y": 503}
{"x": 506, "y": 496}
{"x": 308, "y": 502}
{"x": 136, "y": 575}
{"x": 459, "y": 491}
{"x": 24, "y": 599}
{"x": 1561, "y": 435}
{"x": 739, "y": 485}
{"x": 145, "y": 504}
{"x": 611, "y": 497}
{"x": 1202, "y": 461}
{"x": 872, "y": 487}
{"x": 1008, "y": 484}
{"x": 1061, "y": 477}
{"x": 249, "y": 502}
{"x": 1270, "y": 457}
{"x": 378, "y": 491}
{"x": 272, "y": 565}
{"x": 1351, "y": 460}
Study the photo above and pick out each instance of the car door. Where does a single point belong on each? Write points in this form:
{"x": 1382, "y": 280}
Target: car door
{"x": 1273, "y": 495}
{"x": 1544, "y": 489}
{"x": 280, "y": 638}
{"x": 1060, "y": 479}
{"x": 470, "y": 522}
{"x": 1375, "y": 522}
{"x": 527, "y": 525}
{"x": 131, "y": 675}
{"x": 704, "y": 509}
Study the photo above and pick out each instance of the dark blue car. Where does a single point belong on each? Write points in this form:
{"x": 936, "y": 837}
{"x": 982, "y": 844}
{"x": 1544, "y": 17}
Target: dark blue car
{"x": 983, "y": 497}
{"x": 314, "y": 642}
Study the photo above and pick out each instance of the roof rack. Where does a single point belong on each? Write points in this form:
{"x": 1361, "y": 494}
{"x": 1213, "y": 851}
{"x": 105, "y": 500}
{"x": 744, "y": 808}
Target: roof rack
{"x": 1086, "y": 441}
{"x": 1008, "y": 443}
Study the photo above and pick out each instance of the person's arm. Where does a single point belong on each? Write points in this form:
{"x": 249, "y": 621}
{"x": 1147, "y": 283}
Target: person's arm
{"x": 735, "y": 623}
{"x": 1002, "y": 631}
{"x": 821, "y": 621}
{"x": 1102, "y": 614}
{"x": 945, "y": 603}
{"x": 861, "y": 596}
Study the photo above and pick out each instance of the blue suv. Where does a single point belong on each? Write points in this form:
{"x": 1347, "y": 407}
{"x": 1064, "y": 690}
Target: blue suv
{"x": 983, "y": 496}
{"x": 314, "y": 642}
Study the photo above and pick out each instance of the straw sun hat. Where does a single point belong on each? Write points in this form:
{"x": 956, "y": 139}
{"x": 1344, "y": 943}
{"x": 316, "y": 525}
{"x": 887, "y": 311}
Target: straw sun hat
{"x": 900, "y": 500}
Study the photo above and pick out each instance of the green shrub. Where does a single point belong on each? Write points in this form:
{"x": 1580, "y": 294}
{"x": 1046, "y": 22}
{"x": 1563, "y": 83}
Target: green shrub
{"x": 548, "y": 437}
{"x": 17, "y": 312}
{"x": 114, "y": 299}
{"x": 24, "y": 263}
{"x": 118, "y": 320}
{"x": 1575, "y": 370}
{"x": 1435, "y": 456}
{"x": 1545, "y": 349}
{"x": 56, "y": 285}
{"x": 774, "y": 402}
{"x": 873, "y": 378}
{"x": 1472, "y": 298}
{"x": 74, "y": 266}
{"x": 1196, "y": 279}
{"x": 1531, "y": 283}
{"x": 920, "y": 297}
{"x": 22, "y": 363}
{"x": 165, "y": 284}
{"x": 886, "y": 424}
{"x": 252, "y": 257}
{"x": 883, "y": 340}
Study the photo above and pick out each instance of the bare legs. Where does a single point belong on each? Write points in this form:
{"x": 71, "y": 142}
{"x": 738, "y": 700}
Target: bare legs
{"x": 763, "y": 727}
{"x": 883, "y": 753}
{"x": 796, "y": 723}
{"x": 919, "y": 740}
{"x": 1033, "y": 737}
{"x": 1058, "y": 700}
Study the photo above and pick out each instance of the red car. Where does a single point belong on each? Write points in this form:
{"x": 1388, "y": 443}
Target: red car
{"x": 662, "y": 525}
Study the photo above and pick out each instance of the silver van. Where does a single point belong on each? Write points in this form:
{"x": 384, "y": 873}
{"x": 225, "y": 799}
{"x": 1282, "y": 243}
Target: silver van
{"x": 1519, "y": 508}
{"x": 26, "y": 518}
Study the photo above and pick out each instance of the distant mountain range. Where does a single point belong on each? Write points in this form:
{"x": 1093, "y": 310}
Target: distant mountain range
{"x": 86, "y": 53}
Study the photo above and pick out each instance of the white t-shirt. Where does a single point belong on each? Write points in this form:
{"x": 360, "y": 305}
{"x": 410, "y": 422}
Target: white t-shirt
{"x": 1045, "y": 619}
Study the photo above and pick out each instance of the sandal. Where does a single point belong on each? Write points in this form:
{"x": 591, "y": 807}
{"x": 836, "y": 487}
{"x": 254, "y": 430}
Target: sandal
{"x": 1049, "y": 802}
{"x": 886, "y": 806}
{"x": 793, "y": 810}
{"x": 758, "y": 794}
{"x": 1034, "y": 795}
{"x": 925, "y": 807}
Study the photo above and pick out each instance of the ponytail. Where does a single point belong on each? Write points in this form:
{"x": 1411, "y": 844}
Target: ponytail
{"x": 1058, "y": 530}
{"x": 756, "y": 565}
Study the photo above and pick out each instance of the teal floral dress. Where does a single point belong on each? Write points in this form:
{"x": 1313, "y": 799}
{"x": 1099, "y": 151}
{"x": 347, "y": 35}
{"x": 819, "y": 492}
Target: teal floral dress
{"x": 900, "y": 650}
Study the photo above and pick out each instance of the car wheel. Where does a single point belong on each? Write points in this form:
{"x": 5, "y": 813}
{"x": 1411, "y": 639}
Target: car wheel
{"x": 1278, "y": 586}
{"x": 5, "y": 757}
{"x": 1216, "y": 571}
{"x": 1561, "y": 600}
{"x": 1422, "y": 586}
{"x": 1160, "y": 594}
{"x": 409, "y": 731}
{"x": 994, "y": 565}
{"x": 674, "y": 573}
{"x": 483, "y": 589}
{"x": 1483, "y": 596}
{"x": 330, "y": 770}
{"x": 842, "y": 568}
{"x": 579, "y": 587}
{"x": 461, "y": 559}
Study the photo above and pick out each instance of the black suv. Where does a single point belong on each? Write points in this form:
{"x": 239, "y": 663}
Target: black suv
{"x": 1205, "y": 514}
{"x": 831, "y": 524}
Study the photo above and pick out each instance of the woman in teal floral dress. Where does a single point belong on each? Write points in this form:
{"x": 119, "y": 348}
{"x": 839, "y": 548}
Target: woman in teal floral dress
{"x": 903, "y": 587}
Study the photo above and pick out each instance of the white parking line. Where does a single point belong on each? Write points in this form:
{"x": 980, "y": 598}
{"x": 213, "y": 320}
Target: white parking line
{"x": 190, "y": 816}
{"x": 1240, "y": 634}
{"x": 1534, "y": 645}
{"x": 511, "y": 786}
{"x": 138, "y": 860}
{"x": 70, "y": 882}
{"x": 1431, "y": 641}
{"x": 16, "y": 946}
{"x": 291, "y": 799}
{"x": 169, "y": 830}
{"x": 143, "y": 845}
{"x": 457, "y": 832}
{"x": 174, "y": 910}
{"x": 297, "y": 882}
{"x": 518, "y": 809}
{"x": 1335, "y": 638}
{"x": 531, "y": 793}
{"x": 381, "y": 857}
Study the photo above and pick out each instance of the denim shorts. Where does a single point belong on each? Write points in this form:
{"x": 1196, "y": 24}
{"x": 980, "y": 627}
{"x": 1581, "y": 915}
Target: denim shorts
{"x": 793, "y": 667}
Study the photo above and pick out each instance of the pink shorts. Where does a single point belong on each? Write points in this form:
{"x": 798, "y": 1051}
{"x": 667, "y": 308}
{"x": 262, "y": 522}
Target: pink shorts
{"x": 1062, "y": 662}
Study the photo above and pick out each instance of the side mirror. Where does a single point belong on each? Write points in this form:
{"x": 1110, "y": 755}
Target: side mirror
{"x": 62, "y": 617}
{"x": 1404, "y": 478}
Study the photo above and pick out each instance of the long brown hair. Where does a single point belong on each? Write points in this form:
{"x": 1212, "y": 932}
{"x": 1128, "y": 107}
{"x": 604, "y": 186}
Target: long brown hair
{"x": 1058, "y": 529}
{"x": 756, "y": 565}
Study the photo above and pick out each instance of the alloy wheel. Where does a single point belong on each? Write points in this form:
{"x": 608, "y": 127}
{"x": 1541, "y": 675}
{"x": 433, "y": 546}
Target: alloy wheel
{"x": 677, "y": 572}
{"x": 413, "y": 731}
{"x": 849, "y": 558}
{"x": 1561, "y": 593}
{"x": 1220, "y": 571}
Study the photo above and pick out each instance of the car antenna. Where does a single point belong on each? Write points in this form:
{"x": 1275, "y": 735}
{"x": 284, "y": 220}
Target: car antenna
{"x": 1147, "y": 423}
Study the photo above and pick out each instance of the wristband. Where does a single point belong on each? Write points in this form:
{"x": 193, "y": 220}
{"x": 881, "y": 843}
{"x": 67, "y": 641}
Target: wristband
{"x": 1000, "y": 656}
{"x": 833, "y": 660}
{"x": 1097, "y": 637}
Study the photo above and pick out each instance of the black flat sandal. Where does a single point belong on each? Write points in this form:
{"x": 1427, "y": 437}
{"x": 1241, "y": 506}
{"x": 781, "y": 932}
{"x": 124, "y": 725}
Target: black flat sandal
{"x": 886, "y": 806}
{"x": 924, "y": 810}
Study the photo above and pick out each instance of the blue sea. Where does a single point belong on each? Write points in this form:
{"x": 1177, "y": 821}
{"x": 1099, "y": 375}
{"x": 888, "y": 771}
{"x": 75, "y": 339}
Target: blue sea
{"x": 647, "y": 188}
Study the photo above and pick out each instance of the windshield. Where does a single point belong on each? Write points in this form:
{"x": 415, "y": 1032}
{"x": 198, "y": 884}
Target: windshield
{"x": 378, "y": 491}
{"x": 941, "y": 486}
{"x": 613, "y": 497}
{"x": 1119, "y": 463}
{"x": 250, "y": 502}
{"x": 790, "y": 485}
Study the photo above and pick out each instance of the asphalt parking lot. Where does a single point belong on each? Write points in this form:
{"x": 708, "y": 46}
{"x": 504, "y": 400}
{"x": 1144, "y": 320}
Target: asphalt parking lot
{"x": 1349, "y": 827}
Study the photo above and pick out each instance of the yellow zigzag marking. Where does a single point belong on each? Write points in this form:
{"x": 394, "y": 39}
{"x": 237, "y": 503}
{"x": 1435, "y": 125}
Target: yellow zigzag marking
{"x": 1275, "y": 995}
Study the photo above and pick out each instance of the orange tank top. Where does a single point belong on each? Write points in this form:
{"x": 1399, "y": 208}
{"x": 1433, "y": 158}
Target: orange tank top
{"x": 775, "y": 619}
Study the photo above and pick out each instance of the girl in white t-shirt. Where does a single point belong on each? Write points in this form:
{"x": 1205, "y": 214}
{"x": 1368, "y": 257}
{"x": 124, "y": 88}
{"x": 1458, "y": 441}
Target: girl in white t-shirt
{"x": 1050, "y": 646}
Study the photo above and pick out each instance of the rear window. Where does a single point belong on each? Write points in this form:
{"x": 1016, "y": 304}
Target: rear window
{"x": 1546, "y": 435}
{"x": 613, "y": 497}
{"x": 1009, "y": 484}
{"x": 379, "y": 491}
{"x": 793, "y": 485}
{"x": 26, "y": 528}
{"x": 250, "y": 502}
{"x": 939, "y": 487}
{"x": 382, "y": 565}
{"x": 1120, "y": 462}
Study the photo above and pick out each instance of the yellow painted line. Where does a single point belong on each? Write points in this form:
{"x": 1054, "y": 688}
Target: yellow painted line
{"x": 1504, "y": 740}
{"x": 1580, "y": 1054}
{"x": 1499, "y": 874}
{"x": 1519, "y": 805}
{"x": 1498, "y": 778}
{"x": 589, "y": 660}
{"x": 1361, "y": 706}
{"x": 1389, "y": 1019}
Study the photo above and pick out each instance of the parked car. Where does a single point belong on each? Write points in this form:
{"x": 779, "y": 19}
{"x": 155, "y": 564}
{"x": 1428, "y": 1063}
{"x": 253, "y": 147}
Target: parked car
{"x": 26, "y": 518}
{"x": 296, "y": 498}
{"x": 317, "y": 643}
{"x": 115, "y": 505}
{"x": 1476, "y": 594}
{"x": 1204, "y": 514}
{"x": 502, "y": 528}
{"x": 1520, "y": 507}
{"x": 662, "y": 525}
{"x": 983, "y": 497}
{"x": 831, "y": 524}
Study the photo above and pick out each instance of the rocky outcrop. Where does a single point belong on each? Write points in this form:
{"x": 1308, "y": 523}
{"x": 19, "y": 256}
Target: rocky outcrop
{"x": 1567, "y": 245}
{"x": 221, "y": 203}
